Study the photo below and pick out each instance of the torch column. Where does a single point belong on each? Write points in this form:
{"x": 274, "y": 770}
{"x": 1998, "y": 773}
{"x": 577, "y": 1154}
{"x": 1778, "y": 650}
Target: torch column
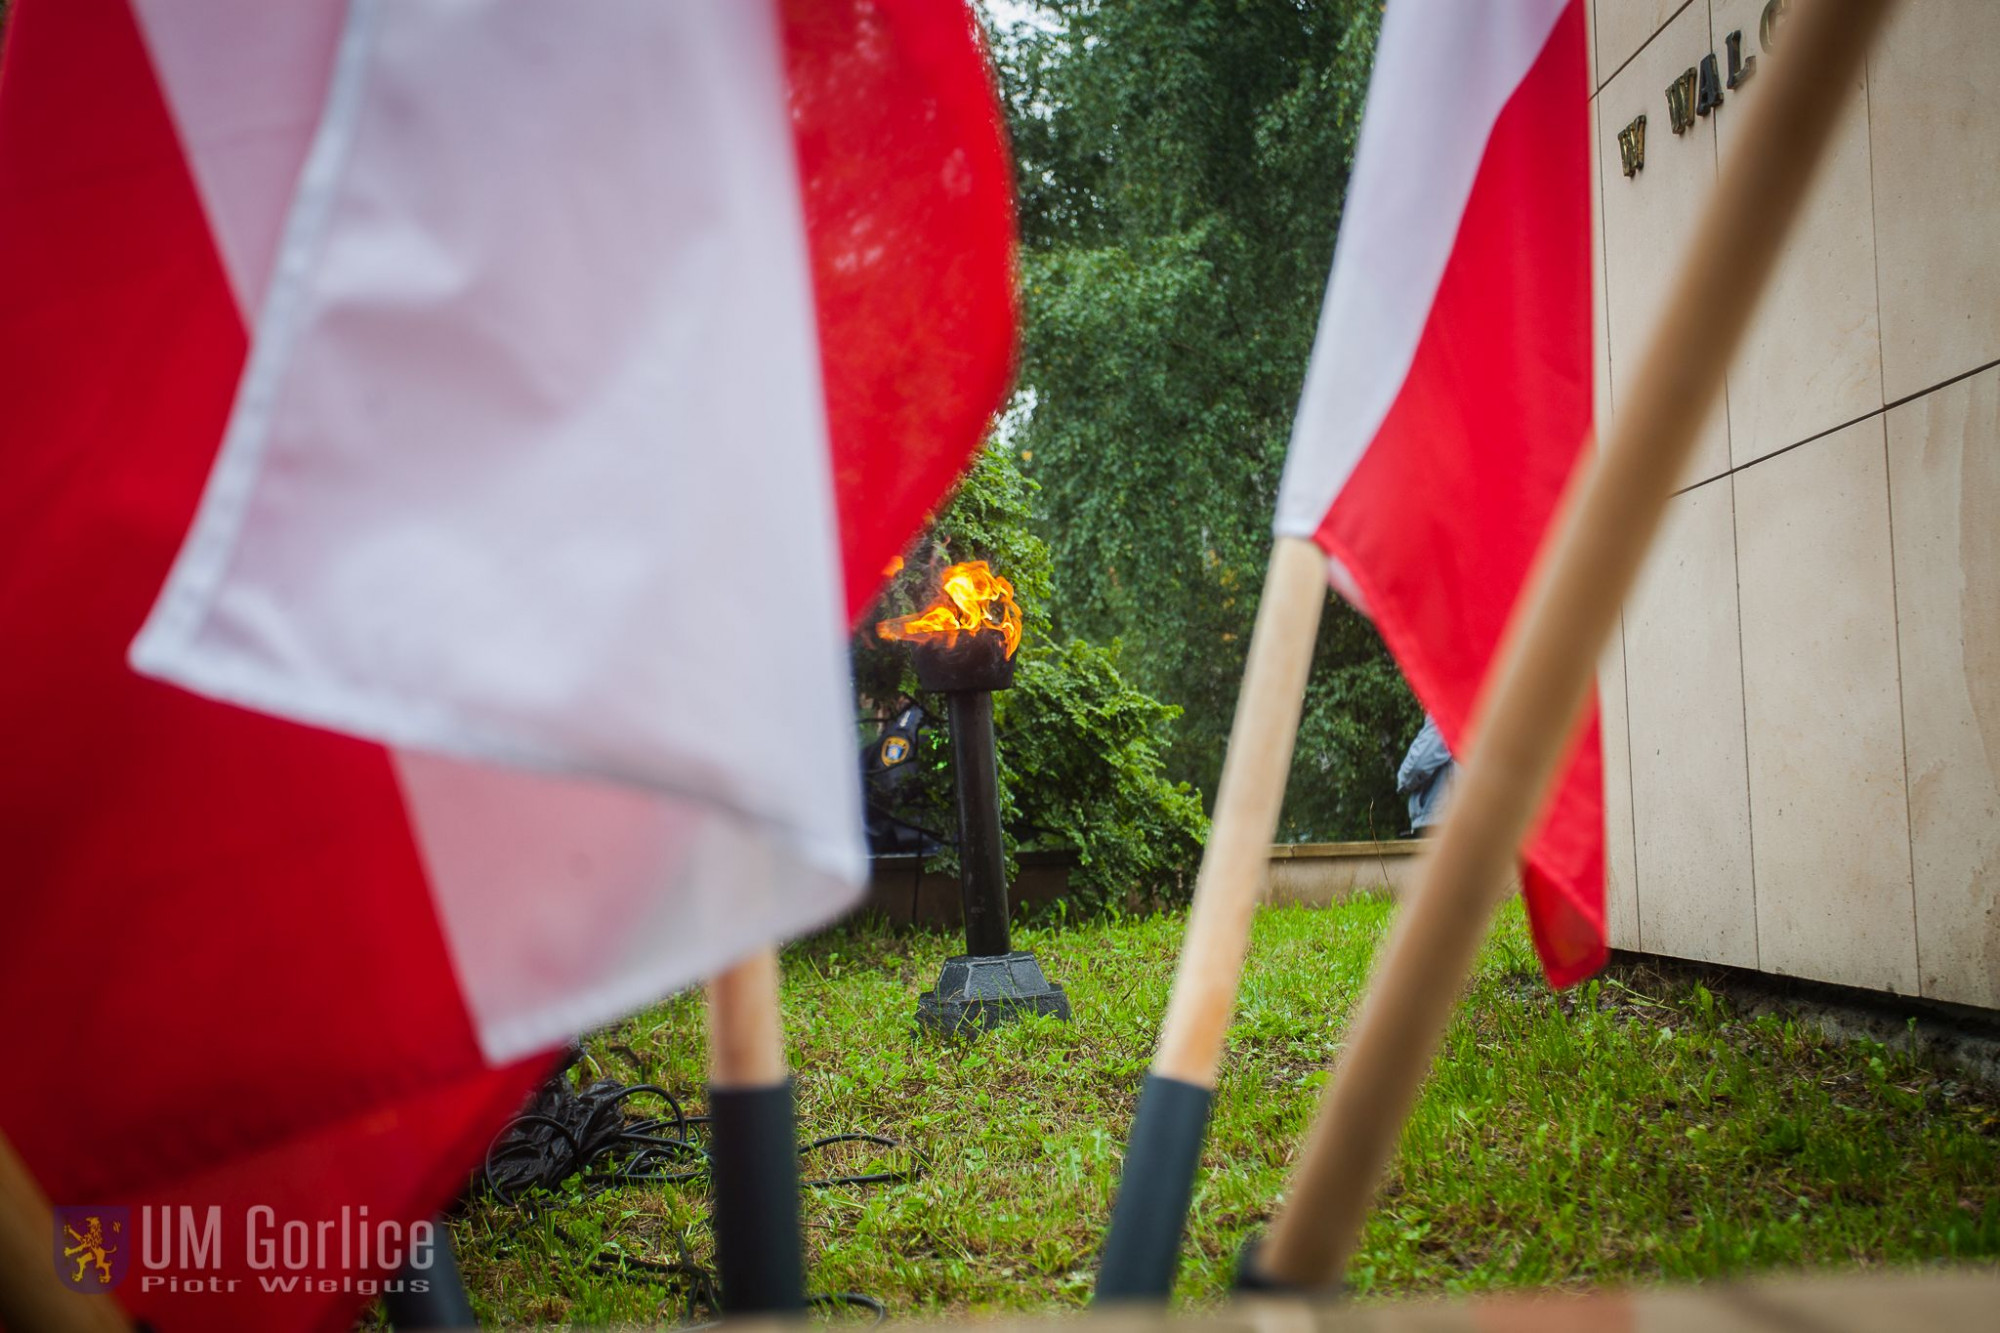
{"x": 991, "y": 982}
{"x": 982, "y": 863}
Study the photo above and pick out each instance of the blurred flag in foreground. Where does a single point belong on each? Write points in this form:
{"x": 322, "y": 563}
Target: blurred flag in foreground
{"x": 493, "y": 414}
{"x": 1449, "y": 394}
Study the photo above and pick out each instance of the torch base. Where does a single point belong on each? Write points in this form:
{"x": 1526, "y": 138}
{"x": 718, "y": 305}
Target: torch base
{"x": 986, "y": 992}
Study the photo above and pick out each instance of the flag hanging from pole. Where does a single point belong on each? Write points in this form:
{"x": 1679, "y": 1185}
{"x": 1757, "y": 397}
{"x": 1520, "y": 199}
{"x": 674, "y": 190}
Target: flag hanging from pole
{"x": 447, "y": 445}
{"x": 1448, "y": 399}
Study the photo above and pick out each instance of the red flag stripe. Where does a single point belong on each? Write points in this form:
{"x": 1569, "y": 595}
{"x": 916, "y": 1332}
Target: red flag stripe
{"x": 909, "y": 206}
{"x": 1441, "y": 518}
{"x": 226, "y": 978}
{"x": 225, "y": 938}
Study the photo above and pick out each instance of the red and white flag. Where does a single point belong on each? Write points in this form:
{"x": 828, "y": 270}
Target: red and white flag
{"x": 446, "y": 446}
{"x": 1449, "y": 395}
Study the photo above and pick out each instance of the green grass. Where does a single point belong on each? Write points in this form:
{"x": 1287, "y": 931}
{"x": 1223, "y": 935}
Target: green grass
{"x": 1618, "y": 1133}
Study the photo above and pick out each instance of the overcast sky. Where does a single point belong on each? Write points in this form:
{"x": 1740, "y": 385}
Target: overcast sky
{"x": 1010, "y": 12}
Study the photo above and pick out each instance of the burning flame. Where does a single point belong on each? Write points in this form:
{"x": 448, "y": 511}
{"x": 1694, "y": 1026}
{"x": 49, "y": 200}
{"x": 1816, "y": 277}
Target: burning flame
{"x": 974, "y": 599}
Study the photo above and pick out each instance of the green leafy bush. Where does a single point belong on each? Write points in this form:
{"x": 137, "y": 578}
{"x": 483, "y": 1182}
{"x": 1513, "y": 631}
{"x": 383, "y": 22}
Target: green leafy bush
{"x": 1082, "y": 749}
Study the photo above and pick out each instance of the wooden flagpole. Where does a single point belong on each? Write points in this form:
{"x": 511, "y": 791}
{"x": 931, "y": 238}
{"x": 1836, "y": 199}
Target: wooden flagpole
{"x": 759, "y": 1238}
{"x": 1237, "y": 859}
{"x": 746, "y": 1037}
{"x": 30, "y": 1295}
{"x": 1163, "y": 1151}
{"x": 1546, "y": 664}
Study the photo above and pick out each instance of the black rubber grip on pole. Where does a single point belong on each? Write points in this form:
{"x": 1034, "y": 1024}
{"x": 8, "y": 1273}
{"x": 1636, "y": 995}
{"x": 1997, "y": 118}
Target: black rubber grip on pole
{"x": 1142, "y": 1253}
{"x": 754, "y": 1164}
{"x": 442, "y": 1301}
{"x": 1251, "y": 1278}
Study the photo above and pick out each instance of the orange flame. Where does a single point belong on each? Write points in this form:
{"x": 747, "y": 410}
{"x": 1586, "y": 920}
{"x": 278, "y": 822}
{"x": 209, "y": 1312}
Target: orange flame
{"x": 974, "y": 600}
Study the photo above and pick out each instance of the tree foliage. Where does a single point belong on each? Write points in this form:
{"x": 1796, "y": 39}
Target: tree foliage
{"x": 1081, "y": 750}
{"x": 1181, "y": 165}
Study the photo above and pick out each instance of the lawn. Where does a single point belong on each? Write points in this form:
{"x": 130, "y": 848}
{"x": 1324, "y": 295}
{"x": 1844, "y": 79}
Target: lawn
{"x": 1623, "y": 1132}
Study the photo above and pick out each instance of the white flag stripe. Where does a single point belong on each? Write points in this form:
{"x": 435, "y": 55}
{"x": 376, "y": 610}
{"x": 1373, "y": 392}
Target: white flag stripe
{"x": 1443, "y": 71}
{"x": 565, "y": 902}
{"x": 245, "y": 82}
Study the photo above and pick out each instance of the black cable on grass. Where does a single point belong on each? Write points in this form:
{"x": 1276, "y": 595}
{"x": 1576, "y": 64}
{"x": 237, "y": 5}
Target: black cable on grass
{"x": 566, "y": 1131}
{"x": 704, "y": 1296}
{"x": 857, "y": 1299}
{"x": 872, "y": 1177}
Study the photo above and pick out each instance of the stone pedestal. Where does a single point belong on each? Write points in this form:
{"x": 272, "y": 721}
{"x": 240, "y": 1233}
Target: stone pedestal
{"x": 986, "y": 992}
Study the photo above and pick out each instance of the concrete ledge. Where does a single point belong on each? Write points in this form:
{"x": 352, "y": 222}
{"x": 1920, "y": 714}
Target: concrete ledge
{"x": 900, "y": 892}
{"x": 1319, "y": 874}
{"x": 1309, "y": 874}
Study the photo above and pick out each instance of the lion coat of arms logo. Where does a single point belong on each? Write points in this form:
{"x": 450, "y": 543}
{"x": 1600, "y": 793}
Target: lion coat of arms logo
{"x": 92, "y": 1247}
